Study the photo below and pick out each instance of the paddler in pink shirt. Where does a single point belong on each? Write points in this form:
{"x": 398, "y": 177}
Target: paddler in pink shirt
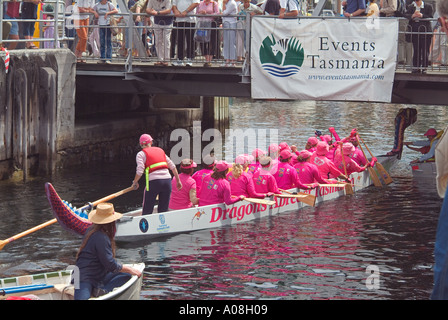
{"x": 255, "y": 165}
{"x": 308, "y": 172}
{"x": 351, "y": 165}
{"x": 264, "y": 181}
{"x": 241, "y": 183}
{"x": 286, "y": 176}
{"x": 357, "y": 155}
{"x": 311, "y": 144}
{"x": 208, "y": 164}
{"x": 185, "y": 197}
{"x": 215, "y": 188}
{"x": 326, "y": 167}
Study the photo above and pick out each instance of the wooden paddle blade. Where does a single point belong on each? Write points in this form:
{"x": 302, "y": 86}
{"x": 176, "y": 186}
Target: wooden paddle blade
{"x": 349, "y": 189}
{"x": 375, "y": 179}
{"x": 260, "y": 201}
{"x": 383, "y": 173}
{"x": 308, "y": 199}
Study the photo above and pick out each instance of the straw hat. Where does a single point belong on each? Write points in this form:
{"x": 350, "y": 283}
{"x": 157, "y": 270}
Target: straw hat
{"x": 104, "y": 213}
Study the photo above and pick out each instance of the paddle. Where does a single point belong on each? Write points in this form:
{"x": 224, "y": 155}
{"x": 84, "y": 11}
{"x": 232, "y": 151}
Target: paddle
{"x": 372, "y": 173}
{"x": 337, "y": 185}
{"x": 348, "y": 186}
{"x": 306, "y": 198}
{"x": 50, "y": 222}
{"x": 260, "y": 201}
{"x": 383, "y": 173}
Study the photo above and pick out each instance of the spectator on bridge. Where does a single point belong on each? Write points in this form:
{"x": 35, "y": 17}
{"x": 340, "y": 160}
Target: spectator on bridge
{"x": 185, "y": 23}
{"x": 103, "y": 10}
{"x": 271, "y": 7}
{"x": 243, "y": 9}
{"x": 229, "y": 12}
{"x": 208, "y": 49}
{"x": 373, "y": 10}
{"x": 11, "y": 13}
{"x": 29, "y": 11}
{"x": 163, "y": 24}
{"x": 354, "y": 8}
{"x": 288, "y": 9}
{"x": 418, "y": 12}
{"x": 48, "y": 27}
{"x": 388, "y": 8}
{"x": 84, "y": 7}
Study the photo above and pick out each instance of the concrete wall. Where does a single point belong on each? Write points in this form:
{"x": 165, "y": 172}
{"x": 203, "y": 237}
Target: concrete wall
{"x": 36, "y": 108}
{"x": 45, "y": 124}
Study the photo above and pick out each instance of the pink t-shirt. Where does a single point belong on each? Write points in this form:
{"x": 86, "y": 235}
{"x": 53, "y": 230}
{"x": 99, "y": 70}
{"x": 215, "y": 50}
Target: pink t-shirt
{"x": 180, "y": 199}
{"x": 350, "y": 164}
{"x": 198, "y": 176}
{"x": 215, "y": 191}
{"x": 254, "y": 167}
{"x": 308, "y": 173}
{"x": 325, "y": 166}
{"x": 358, "y": 157}
{"x": 210, "y": 8}
{"x": 243, "y": 186}
{"x": 287, "y": 177}
{"x": 264, "y": 182}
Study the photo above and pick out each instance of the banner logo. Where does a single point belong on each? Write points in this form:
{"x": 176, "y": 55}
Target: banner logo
{"x": 281, "y": 58}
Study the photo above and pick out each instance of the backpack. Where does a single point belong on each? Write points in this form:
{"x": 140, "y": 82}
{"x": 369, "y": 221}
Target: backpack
{"x": 401, "y": 8}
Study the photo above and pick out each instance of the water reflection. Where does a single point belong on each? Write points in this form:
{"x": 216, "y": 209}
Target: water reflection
{"x": 319, "y": 253}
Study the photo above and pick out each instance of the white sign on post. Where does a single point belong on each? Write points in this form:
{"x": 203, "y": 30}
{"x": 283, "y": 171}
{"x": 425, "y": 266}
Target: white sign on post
{"x": 323, "y": 59}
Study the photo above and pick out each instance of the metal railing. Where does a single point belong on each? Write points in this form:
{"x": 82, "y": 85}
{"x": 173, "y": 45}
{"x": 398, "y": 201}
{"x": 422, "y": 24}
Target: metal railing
{"x": 134, "y": 43}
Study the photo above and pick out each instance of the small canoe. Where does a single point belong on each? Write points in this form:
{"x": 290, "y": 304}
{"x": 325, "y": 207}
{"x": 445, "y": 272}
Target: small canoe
{"x": 135, "y": 227}
{"x": 424, "y": 171}
{"x": 57, "y": 286}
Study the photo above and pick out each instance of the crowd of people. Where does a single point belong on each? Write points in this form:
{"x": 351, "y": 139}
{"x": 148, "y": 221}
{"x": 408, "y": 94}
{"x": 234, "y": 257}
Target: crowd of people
{"x": 263, "y": 173}
{"x": 168, "y": 27}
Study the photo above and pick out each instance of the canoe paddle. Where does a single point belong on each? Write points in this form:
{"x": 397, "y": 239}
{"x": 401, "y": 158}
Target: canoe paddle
{"x": 260, "y": 201}
{"x": 348, "y": 186}
{"x": 306, "y": 198}
{"x": 50, "y": 222}
{"x": 376, "y": 181}
{"x": 383, "y": 173}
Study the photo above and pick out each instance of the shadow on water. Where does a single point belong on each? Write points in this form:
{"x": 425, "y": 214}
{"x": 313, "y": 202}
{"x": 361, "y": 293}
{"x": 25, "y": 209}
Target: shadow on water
{"x": 315, "y": 253}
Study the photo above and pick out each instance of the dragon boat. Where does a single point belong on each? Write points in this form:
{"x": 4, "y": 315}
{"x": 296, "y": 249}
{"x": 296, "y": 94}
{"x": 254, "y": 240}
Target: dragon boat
{"x": 134, "y": 226}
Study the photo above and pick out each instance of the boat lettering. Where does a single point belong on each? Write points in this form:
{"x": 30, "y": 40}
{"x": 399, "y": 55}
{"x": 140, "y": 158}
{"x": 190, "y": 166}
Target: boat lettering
{"x": 323, "y": 191}
{"x": 236, "y": 212}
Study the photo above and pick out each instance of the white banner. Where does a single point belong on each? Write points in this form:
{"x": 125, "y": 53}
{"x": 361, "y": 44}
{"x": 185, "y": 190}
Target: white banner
{"x": 323, "y": 59}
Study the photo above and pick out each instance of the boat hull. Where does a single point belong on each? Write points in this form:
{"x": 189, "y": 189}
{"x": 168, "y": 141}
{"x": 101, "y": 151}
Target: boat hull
{"x": 135, "y": 227}
{"x": 424, "y": 171}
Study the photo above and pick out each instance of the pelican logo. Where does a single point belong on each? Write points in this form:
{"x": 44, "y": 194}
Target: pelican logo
{"x": 281, "y": 58}
{"x": 144, "y": 225}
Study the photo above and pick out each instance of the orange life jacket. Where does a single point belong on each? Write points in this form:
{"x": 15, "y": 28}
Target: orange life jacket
{"x": 155, "y": 159}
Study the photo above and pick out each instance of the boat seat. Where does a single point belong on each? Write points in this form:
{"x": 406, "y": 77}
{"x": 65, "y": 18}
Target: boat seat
{"x": 66, "y": 289}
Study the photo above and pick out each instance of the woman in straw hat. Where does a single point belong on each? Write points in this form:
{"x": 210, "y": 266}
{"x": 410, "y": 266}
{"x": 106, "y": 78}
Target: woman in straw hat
{"x": 99, "y": 272}
{"x": 154, "y": 163}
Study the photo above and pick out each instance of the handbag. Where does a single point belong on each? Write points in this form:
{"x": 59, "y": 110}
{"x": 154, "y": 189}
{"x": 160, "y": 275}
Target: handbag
{"x": 202, "y": 33}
